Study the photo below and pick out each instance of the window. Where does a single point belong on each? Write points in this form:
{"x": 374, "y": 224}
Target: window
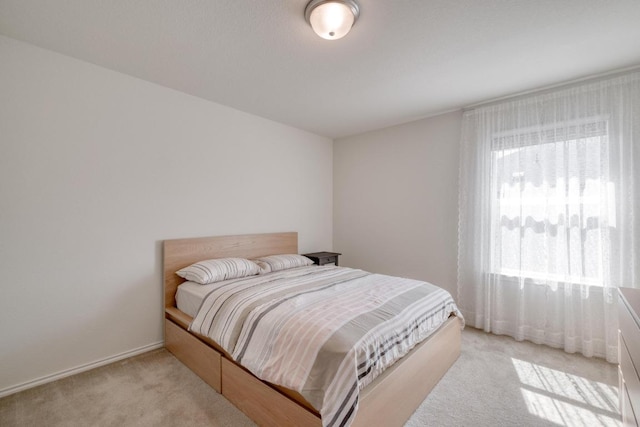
{"x": 548, "y": 214}
{"x": 550, "y": 211}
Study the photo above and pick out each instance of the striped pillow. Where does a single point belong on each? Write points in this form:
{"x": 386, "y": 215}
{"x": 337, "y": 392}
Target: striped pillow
{"x": 216, "y": 270}
{"x": 281, "y": 262}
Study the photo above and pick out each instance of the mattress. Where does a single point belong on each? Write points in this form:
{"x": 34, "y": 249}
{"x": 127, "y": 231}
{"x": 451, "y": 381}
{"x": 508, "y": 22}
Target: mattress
{"x": 191, "y": 294}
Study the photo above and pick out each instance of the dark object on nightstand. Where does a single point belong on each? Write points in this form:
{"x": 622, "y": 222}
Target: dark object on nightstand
{"x": 322, "y": 258}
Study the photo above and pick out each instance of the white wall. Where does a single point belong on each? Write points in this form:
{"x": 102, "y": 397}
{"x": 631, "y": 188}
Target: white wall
{"x": 96, "y": 169}
{"x": 396, "y": 200}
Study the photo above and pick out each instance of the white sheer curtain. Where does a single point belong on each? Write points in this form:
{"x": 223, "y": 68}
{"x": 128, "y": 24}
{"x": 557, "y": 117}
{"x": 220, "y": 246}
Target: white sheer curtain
{"x": 547, "y": 228}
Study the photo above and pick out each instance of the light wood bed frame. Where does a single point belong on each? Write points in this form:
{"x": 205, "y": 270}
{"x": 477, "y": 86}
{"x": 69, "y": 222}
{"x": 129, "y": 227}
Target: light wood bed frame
{"x": 389, "y": 400}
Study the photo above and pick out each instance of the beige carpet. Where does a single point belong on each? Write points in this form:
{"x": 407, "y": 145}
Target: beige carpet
{"x": 496, "y": 382}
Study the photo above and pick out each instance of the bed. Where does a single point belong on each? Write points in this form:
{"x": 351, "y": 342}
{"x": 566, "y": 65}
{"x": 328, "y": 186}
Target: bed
{"x": 388, "y": 400}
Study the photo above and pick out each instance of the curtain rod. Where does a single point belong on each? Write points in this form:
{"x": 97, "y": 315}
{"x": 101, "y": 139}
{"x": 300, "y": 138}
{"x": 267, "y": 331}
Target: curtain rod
{"x": 549, "y": 88}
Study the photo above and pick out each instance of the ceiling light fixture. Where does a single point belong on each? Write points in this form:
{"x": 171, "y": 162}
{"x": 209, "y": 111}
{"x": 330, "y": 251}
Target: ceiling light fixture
{"x": 331, "y": 19}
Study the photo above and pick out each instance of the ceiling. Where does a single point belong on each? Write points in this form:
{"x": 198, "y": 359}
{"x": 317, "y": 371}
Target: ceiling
{"x": 403, "y": 60}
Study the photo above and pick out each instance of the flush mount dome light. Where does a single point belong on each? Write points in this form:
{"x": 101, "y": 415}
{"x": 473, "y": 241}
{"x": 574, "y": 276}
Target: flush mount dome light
{"x": 331, "y": 19}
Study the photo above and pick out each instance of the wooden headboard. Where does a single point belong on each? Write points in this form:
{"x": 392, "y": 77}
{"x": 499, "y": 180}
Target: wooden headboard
{"x": 180, "y": 253}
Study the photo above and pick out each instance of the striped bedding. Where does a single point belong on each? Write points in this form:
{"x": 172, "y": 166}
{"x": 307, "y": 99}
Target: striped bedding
{"x": 325, "y": 332}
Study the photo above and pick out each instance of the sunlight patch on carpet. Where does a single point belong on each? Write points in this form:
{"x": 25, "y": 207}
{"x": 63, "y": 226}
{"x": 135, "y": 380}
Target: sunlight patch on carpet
{"x": 566, "y": 399}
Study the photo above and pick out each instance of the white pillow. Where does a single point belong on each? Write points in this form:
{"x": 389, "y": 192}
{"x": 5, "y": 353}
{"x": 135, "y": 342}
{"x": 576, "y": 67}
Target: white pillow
{"x": 281, "y": 262}
{"x": 216, "y": 270}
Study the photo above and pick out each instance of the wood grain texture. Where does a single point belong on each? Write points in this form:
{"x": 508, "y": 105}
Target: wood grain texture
{"x": 261, "y": 403}
{"x": 196, "y": 355}
{"x": 180, "y": 253}
{"x": 178, "y": 317}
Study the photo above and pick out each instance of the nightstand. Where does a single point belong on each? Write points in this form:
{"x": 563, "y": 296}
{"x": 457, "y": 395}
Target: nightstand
{"x": 322, "y": 258}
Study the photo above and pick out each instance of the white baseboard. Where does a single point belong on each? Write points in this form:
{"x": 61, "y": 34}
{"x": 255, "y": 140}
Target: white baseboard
{"x": 78, "y": 369}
